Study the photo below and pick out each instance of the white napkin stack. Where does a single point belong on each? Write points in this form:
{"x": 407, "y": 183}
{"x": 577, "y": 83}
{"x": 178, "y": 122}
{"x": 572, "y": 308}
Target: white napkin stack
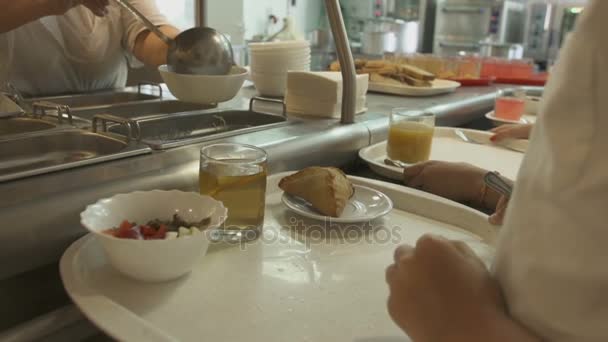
{"x": 319, "y": 94}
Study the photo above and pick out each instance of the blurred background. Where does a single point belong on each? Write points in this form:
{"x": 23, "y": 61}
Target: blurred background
{"x": 529, "y": 30}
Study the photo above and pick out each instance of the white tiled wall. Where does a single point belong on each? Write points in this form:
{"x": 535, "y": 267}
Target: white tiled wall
{"x": 243, "y": 19}
{"x": 180, "y": 13}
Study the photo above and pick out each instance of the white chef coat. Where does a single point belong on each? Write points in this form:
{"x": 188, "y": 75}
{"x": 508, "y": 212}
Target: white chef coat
{"x": 552, "y": 258}
{"x": 75, "y": 52}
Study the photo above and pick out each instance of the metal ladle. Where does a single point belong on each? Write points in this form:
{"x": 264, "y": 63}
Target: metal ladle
{"x": 199, "y": 50}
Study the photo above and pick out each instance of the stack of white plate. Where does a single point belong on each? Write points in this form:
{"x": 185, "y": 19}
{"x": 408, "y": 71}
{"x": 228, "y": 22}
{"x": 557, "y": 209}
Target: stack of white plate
{"x": 271, "y": 61}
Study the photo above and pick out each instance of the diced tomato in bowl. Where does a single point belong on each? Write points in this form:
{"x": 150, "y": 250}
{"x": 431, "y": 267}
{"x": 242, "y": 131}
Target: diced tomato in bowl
{"x": 144, "y": 252}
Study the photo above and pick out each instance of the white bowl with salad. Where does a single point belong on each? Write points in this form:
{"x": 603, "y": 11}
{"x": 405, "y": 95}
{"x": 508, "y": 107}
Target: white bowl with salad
{"x": 154, "y": 236}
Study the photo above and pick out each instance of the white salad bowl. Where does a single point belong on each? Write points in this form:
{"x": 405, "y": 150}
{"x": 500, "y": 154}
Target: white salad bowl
{"x": 204, "y": 89}
{"x": 153, "y": 260}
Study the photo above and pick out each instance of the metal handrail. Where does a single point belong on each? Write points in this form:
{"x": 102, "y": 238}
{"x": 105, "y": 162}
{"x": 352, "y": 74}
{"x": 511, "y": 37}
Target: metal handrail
{"x": 347, "y": 62}
{"x": 265, "y": 99}
{"x": 40, "y": 108}
{"x": 132, "y": 126}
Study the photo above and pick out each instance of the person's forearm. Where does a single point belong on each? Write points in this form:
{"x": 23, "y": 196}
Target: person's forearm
{"x": 150, "y": 49}
{"x": 17, "y": 13}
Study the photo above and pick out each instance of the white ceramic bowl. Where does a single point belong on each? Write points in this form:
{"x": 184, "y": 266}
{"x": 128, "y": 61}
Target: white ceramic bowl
{"x": 204, "y": 89}
{"x": 282, "y": 56}
{"x": 282, "y": 52}
{"x": 153, "y": 260}
{"x": 281, "y": 59}
{"x": 289, "y": 44}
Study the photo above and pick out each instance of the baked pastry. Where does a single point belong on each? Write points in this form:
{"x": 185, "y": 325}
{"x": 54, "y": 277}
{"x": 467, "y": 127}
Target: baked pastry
{"x": 326, "y": 188}
{"x": 389, "y": 72}
{"x": 415, "y": 72}
{"x": 398, "y": 80}
{"x": 359, "y": 64}
{"x": 377, "y": 78}
{"x": 414, "y": 82}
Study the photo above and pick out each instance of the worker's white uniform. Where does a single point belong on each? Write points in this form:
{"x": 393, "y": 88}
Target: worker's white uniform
{"x": 75, "y": 52}
{"x": 552, "y": 259}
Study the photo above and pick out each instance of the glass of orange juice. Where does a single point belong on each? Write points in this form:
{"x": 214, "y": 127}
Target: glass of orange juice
{"x": 235, "y": 174}
{"x": 410, "y": 135}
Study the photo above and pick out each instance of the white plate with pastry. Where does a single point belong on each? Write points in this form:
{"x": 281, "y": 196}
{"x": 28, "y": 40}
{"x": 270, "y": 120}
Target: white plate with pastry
{"x": 437, "y": 87}
{"x": 447, "y": 146}
{"x": 326, "y": 194}
{"x": 366, "y": 205}
{"x": 525, "y": 119}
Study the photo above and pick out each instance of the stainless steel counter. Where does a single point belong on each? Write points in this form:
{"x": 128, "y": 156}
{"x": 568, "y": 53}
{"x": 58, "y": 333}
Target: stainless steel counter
{"x": 40, "y": 214}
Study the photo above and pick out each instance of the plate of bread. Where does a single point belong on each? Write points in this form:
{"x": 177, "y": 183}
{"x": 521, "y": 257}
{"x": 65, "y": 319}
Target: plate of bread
{"x": 326, "y": 194}
{"x": 400, "y": 79}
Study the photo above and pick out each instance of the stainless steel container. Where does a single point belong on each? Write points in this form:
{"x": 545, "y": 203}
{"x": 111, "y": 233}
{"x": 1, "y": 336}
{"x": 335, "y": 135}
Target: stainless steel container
{"x": 321, "y": 40}
{"x": 378, "y": 36}
{"x": 377, "y": 43}
{"x": 389, "y": 35}
{"x": 407, "y": 36}
{"x": 502, "y": 50}
{"x": 459, "y": 25}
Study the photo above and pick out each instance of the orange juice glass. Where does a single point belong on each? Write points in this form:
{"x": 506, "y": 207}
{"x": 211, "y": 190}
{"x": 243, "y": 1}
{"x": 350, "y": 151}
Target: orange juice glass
{"x": 410, "y": 135}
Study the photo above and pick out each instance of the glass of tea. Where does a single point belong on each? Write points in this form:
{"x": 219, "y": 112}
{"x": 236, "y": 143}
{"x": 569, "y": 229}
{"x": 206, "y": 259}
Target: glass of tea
{"x": 235, "y": 174}
{"x": 410, "y": 135}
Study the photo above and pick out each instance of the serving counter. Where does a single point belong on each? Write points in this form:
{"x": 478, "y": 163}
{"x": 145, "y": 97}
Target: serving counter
{"x": 41, "y": 213}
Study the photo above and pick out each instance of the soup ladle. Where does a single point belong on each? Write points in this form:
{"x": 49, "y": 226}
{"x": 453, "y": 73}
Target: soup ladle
{"x": 198, "y": 51}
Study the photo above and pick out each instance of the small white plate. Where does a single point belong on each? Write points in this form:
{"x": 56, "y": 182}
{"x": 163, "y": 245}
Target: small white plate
{"x": 532, "y": 105}
{"x": 448, "y": 147}
{"x": 525, "y": 119}
{"x": 366, "y": 204}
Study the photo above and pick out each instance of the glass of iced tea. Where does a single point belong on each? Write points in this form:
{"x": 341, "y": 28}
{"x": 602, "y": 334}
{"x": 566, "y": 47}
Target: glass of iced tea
{"x": 410, "y": 135}
{"x": 235, "y": 174}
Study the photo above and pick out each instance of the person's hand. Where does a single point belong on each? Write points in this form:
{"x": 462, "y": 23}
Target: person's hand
{"x": 460, "y": 182}
{"x": 59, "y": 7}
{"x": 499, "y": 213}
{"x": 441, "y": 291}
{"x": 511, "y": 132}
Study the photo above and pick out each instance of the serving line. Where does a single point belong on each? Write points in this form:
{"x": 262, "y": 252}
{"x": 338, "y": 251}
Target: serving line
{"x": 43, "y": 210}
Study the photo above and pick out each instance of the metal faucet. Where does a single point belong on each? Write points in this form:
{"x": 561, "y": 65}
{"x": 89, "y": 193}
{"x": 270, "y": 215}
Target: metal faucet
{"x": 347, "y": 63}
{"x": 14, "y": 94}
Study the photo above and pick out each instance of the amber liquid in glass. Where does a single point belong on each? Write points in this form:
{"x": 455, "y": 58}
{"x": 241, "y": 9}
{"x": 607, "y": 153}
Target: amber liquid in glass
{"x": 410, "y": 142}
{"x": 242, "y": 189}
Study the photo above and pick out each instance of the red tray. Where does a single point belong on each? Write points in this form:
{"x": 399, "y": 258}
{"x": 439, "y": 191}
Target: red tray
{"x": 538, "y": 80}
{"x": 474, "y": 82}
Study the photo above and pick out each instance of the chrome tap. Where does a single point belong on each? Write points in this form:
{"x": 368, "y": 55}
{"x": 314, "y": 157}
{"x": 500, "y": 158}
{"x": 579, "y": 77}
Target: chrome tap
{"x": 14, "y": 94}
{"x": 347, "y": 63}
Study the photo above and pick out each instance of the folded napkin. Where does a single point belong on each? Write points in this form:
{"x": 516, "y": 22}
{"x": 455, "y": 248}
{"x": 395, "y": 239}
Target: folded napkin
{"x": 323, "y": 109}
{"x": 319, "y": 94}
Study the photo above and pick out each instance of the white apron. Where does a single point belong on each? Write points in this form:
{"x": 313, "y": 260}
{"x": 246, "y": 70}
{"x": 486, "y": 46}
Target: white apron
{"x": 75, "y": 52}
